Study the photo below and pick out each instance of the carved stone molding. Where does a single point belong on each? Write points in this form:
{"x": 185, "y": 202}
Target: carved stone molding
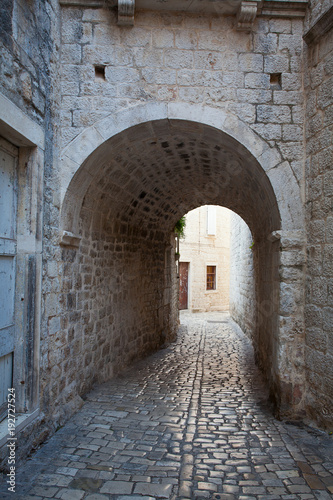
{"x": 69, "y": 239}
{"x": 320, "y": 28}
{"x": 246, "y": 15}
{"x": 126, "y": 10}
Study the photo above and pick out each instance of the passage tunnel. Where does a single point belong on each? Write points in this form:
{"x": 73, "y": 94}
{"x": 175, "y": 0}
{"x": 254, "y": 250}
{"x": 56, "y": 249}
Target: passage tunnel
{"x": 124, "y": 201}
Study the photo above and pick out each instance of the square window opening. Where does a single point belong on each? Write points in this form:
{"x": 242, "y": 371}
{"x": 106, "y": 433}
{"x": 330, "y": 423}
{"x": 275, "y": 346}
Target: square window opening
{"x": 99, "y": 72}
{"x": 275, "y": 81}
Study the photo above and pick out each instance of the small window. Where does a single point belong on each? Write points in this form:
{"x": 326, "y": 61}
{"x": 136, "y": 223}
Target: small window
{"x": 211, "y": 277}
{"x": 99, "y": 72}
{"x": 211, "y": 220}
{"x": 275, "y": 81}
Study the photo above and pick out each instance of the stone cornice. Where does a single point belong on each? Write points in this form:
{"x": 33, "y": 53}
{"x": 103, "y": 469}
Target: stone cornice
{"x": 322, "y": 26}
{"x": 245, "y": 10}
{"x": 284, "y": 8}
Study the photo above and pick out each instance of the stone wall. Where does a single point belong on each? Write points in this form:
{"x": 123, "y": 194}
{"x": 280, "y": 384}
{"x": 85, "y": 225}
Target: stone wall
{"x": 242, "y": 278}
{"x": 178, "y": 58}
{"x": 29, "y": 40}
{"x": 253, "y": 85}
{"x": 247, "y": 153}
{"x": 28, "y": 34}
{"x": 319, "y": 193}
{"x": 116, "y": 307}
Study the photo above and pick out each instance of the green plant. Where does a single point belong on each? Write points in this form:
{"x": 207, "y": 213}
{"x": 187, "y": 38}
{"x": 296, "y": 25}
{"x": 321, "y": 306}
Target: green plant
{"x": 180, "y": 227}
{"x": 252, "y": 245}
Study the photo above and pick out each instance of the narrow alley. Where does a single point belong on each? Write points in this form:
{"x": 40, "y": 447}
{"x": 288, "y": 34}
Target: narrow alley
{"x": 189, "y": 422}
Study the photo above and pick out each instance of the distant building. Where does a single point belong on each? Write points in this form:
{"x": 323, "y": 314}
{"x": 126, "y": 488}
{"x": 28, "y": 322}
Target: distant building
{"x": 204, "y": 260}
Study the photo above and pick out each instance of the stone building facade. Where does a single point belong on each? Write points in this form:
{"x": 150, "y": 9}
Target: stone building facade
{"x": 115, "y": 121}
{"x": 204, "y": 251}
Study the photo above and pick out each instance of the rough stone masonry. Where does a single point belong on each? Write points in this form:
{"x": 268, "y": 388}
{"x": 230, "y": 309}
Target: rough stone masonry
{"x": 124, "y": 117}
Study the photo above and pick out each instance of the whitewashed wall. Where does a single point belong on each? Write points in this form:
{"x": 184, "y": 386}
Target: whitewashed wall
{"x": 242, "y": 284}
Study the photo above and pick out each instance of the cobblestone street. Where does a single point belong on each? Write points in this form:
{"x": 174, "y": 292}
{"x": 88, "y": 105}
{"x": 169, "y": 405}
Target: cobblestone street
{"x": 189, "y": 422}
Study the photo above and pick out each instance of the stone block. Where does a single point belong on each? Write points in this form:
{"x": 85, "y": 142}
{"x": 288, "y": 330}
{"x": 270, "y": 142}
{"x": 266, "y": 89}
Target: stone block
{"x": 179, "y": 59}
{"x": 54, "y": 325}
{"x": 193, "y": 78}
{"x": 186, "y": 39}
{"x": 254, "y": 96}
{"x": 276, "y": 64}
{"x": 317, "y": 231}
{"x": 72, "y": 31}
{"x": 291, "y": 82}
{"x": 292, "y": 151}
{"x": 96, "y": 15}
{"x": 268, "y": 131}
{"x": 292, "y": 258}
{"x": 209, "y": 60}
{"x": 106, "y": 35}
{"x": 328, "y": 183}
{"x": 151, "y": 58}
{"x": 136, "y": 37}
{"x": 313, "y": 316}
{"x": 324, "y": 98}
{"x": 328, "y": 319}
{"x": 208, "y": 40}
{"x": 70, "y": 88}
{"x": 319, "y": 291}
{"x": 245, "y": 112}
{"x": 296, "y": 64}
{"x": 273, "y": 114}
{"x": 160, "y": 76}
{"x": 233, "y": 78}
{"x": 287, "y": 97}
{"x": 163, "y": 38}
{"x": 26, "y": 85}
{"x": 170, "y": 93}
{"x": 117, "y": 487}
{"x": 250, "y": 63}
{"x": 297, "y": 114}
{"x": 290, "y": 298}
{"x": 71, "y": 53}
{"x": 290, "y": 43}
{"x": 257, "y": 81}
{"x": 122, "y": 75}
{"x": 265, "y": 43}
{"x": 280, "y": 26}
{"x": 160, "y": 490}
{"x": 218, "y": 95}
{"x": 329, "y": 230}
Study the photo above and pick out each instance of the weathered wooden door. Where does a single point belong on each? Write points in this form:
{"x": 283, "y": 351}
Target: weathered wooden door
{"x": 8, "y": 209}
{"x": 183, "y": 285}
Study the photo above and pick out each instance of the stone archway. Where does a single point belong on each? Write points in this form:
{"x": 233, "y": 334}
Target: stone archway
{"x": 125, "y": 183}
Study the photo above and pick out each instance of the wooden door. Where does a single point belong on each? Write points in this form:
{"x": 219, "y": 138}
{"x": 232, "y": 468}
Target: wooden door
{"x": 8, "y": 209}
{"x": 183, "y": 285}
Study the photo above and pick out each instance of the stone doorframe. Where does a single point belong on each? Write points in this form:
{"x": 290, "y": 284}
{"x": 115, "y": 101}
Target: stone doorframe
{"x": 20, "y": 130}
{"x": 289, "y": 353}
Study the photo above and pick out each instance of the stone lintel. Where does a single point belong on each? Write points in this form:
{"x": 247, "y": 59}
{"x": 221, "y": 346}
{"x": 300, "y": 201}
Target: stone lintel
{"x": 69, "y": 239}
{"x": 284, "y": 8}
{"x": 322, "y": 26}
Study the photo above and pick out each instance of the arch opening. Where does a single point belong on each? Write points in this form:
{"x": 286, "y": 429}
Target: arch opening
{"x": 124, "y": 201}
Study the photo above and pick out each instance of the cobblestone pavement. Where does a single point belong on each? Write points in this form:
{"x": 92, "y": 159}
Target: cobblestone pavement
{"x": 189, "y": 422}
